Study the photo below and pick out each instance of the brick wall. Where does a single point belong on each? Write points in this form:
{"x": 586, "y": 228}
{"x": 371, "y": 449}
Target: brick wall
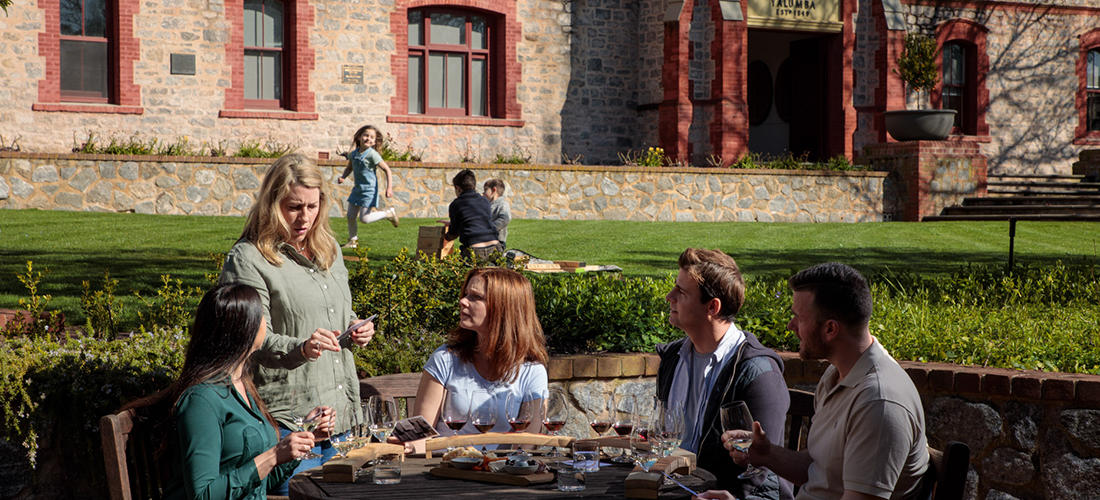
{"x": 1032, "y": 435}
{"x": 927, "y": 176}
{"x": 227, "y": 186}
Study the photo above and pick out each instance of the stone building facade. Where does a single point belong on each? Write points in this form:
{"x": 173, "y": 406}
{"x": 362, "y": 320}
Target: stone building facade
{"x": 579, "y": 80}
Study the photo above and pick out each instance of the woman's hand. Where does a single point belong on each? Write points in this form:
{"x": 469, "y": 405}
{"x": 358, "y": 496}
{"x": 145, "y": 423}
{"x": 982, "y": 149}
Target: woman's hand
{"x": 326, "y": 423}
{"x": 363, "y": 334}
{"x": 339, "y": 180}
{"x": 293, "y": 447}
{"x": 409, "y": 448}
{"x": 719, "y": 494}
{"x": 322, "y": 340}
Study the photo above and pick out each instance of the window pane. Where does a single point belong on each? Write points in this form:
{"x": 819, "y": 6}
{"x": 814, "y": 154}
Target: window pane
{"x": 416, "y": 28}
{"x": 273, "y": 75}
{"x": 436, "y": 77}
{"x": 273, "y": 24}
{"x": 252, "y": 74}
{"x": 478, "y": 39}
{"x": 253, "y": 23}
{"x": 1094, "y": 112}
{"x": 953, "y": 99}
{"x": 1092, "y": 79}
{"x": 416, "y": 84}
{"x": 95, "y": 18}
{"x": 84, "y": 67}
{"x": 448, "y": 28}
{"x": 954, "y": 63}
{"x": 456, "y": 81}
{"x": 478, "y": 78}
{"x": 72, "y": 18}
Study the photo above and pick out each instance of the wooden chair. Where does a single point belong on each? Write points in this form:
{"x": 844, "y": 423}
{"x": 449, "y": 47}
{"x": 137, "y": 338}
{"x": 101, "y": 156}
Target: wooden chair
{"x": 129, "y": 455}
{"x": 399, "y": 386}
{"x": 801, "y": 412}
{"x": 947, "y": 469}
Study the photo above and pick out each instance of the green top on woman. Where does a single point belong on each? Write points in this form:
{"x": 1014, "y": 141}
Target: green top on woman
{"x": 217, "y": 437}
{"x": 298, "y": 298}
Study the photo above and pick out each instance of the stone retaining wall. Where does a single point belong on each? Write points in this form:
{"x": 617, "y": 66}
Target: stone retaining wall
{"x": 1032, "y": 435}
{"x": 227, "y": 186}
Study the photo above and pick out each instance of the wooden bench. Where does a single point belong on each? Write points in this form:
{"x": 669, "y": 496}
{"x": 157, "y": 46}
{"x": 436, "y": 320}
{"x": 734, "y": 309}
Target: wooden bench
{"x": 399, "y": 386}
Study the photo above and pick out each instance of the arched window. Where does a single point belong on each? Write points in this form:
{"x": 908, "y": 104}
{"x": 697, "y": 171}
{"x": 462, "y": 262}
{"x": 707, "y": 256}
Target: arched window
{"x": 263, "y": 53}
{"x": 450, "y": 62}
{"x": 1092, "y": 91}
{"x": 954, "y": 80}
{"x": 85, "y": 66}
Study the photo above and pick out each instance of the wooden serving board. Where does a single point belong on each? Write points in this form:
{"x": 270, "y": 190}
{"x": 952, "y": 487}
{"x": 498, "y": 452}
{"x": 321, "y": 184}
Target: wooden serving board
{"x": 342, "y": 470}
{"x": 492, "y": 477}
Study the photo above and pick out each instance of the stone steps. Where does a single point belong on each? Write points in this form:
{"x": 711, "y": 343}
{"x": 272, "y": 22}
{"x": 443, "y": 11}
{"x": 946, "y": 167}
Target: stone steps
{"x": 1030, "y": 197}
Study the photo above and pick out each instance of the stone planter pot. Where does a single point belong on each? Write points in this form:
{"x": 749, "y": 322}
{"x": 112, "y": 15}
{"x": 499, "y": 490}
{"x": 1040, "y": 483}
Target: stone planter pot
{"x": 919, "y": 124}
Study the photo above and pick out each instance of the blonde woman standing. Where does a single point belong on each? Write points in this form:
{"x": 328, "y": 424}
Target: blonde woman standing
{"x": 288, "y": 253}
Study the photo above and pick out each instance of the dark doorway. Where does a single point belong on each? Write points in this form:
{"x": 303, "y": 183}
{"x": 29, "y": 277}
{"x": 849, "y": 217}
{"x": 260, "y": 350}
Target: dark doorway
{"x": 808, "y": 92}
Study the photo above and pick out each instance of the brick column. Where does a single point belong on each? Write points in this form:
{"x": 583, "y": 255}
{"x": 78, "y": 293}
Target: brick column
{"x": 675, "y": 111}
{"x": 729, "y": 132}
{"x": 928, "y": 175}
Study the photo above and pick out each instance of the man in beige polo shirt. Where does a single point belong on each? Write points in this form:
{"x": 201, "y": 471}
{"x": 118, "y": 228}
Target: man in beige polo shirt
{"x": 867, "y": 439}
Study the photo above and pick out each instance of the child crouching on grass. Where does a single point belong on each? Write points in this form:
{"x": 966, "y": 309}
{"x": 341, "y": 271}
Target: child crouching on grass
{"x": 363, "y": 160}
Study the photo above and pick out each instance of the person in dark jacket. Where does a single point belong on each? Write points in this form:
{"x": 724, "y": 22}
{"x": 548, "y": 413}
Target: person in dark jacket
{"x": 717, "y": 363}
{"x": 471, "y": 219}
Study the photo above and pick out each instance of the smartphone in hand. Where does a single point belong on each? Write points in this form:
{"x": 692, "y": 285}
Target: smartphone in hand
{"x": 352, "y": 328}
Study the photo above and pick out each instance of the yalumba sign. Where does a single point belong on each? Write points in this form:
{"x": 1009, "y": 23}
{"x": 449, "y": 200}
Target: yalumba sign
{"x": 808, "y": 15}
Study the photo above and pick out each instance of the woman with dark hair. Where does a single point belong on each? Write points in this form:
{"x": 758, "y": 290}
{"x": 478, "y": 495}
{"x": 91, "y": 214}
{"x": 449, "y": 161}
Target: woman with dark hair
{"x": 222, "y": 441}
{"x": 498, "y": 347}
{"x": 287, "y": 252}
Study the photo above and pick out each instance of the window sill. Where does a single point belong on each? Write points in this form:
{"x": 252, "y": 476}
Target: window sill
{"x": 971, "y": 138}
{"x": 451, "y": 120}
{"x": 1093, "y": 139}
{"x": 266, "y": 115}
{"x": 88, "y": 108}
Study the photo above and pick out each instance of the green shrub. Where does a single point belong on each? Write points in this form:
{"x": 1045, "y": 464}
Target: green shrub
{"x": 101, "y": 308}
{"x": 515, "y": 156}
{"x": 391, "y": 152}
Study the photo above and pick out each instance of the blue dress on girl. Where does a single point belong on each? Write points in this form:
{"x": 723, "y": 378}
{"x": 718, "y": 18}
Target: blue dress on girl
{"x": 365, "y": 192}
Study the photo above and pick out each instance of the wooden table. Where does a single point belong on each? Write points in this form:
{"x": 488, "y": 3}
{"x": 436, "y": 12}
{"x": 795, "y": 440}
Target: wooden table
{"x": 417, "y": 483}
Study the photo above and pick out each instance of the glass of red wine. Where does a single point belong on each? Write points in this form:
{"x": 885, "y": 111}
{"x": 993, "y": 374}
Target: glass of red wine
{"x": 554, "y": 415}
{"x": 600, "y": 411}
{"x": 624, "y": 408}
{"x": 518, "y": 412}
{"x": 456, "y": 411}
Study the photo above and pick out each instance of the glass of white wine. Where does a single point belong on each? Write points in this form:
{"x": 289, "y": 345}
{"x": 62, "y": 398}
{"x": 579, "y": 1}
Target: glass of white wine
{"x": 736, "y": 416}
{"x": 308, "y": 414}
{"x": 383, "y": 415}
{"x": 346, "y": 418}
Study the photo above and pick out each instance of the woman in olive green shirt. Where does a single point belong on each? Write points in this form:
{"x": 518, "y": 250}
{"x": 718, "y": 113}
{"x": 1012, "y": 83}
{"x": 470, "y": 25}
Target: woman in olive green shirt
{"x": 223, "y": 443}
{"x": 288, "y": 253}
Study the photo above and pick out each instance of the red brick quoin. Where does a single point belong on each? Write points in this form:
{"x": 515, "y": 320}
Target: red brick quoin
{"x": 123, "y": 92}
{"x": 1089, "y": 41}
{"x": 503, "y": 101}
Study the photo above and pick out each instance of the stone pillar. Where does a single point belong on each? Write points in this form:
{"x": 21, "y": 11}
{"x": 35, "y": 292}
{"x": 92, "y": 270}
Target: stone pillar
{"x": 1088, "y": 163}
{"x": 926, "y": 176}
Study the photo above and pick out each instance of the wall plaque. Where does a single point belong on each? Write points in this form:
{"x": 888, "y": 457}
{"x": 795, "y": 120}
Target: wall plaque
{"x": 183, "y": 64}
{"x": 802, "y": 15}
{"x": 353, "y": 73}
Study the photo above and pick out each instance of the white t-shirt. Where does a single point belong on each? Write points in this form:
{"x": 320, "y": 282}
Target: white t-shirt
{"x": 461, "y": 379}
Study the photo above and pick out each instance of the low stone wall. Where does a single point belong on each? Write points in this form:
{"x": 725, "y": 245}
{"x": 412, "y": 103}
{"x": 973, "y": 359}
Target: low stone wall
{"x": 227, "y": 186}
{"x": 1032, "y": 435}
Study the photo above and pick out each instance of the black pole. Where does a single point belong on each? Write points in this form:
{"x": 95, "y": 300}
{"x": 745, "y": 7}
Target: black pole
{"x": 1011, "y": 241}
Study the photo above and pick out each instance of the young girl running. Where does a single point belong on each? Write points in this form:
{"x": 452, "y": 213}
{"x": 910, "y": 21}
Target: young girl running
{"x": 364, "y": 196}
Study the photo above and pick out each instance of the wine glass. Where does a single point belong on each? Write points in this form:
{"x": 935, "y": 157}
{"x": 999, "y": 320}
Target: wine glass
{"x": 641, "y": 447}
{"x": 518, "y": 412}
{"x": 456, "y": 411}
{"x": 554, "y": 415}
{"x": 670, "y": 426}
{"x": 346, "y": 419}
{"x": 483, "y": 411}
{"x": 736, "y": 416}
{"x": 308, "y": 414}
{"x": 600, "y": 408}
{"x": 623, "y": 423}
{"x": 383, "y": 415}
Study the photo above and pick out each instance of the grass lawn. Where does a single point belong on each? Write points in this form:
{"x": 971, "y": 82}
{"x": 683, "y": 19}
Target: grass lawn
{"x": 137, "y": 249}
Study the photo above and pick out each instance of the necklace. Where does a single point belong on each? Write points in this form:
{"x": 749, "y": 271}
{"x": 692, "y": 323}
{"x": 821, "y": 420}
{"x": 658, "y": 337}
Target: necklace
{"x": 299, "y": 249}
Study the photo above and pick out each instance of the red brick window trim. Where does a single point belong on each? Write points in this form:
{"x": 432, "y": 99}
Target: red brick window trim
{"x": 504, "y": 67}
{"x": 1086, "y": 89}
{"x": 298, "y": 60}
{"x": 448, "y": 120}
{"x": 89, "y": 108}
{"x": 122, "y": 51}
{"x": 970, "y": 37}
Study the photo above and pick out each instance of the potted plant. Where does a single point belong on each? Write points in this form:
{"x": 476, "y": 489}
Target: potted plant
{"x": 917, "y": 68}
